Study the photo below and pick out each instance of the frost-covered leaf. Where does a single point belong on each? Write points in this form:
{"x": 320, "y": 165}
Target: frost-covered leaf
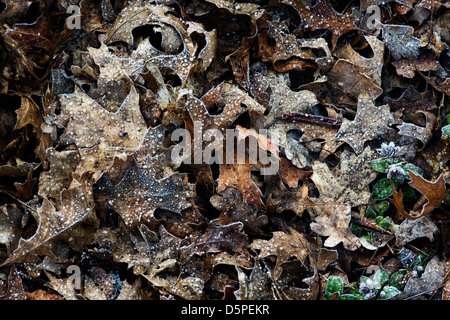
{"x": 15, "y": 290}
{"x": 221, "y": 238}
{"x": 59, "y": 175}
{"x": 239, "y": 176}
{"x": 255, "y": 286}
{"x": 353, "y": 81}
{"x": 76, "y": 206}
{"x": 350, "y": 187}
{"x": 446, "y": 130}
{"x": 332, "y": 221}
{"x": 167, "y": 254}
{"x": 174, "y": 33}
{"x": 400, "y": 41}
{"x": 407, "y": 68}
{"x": 370, "y": 123}
{"x": 234, "y": 208}
{"x": 279, "y": 198}
{"x": 86, "y": 123}
{"x": 430, "y": 280}
{"x": 410, "y": 230}
{"x": 283, "y": 246}
{"x": 423, "y": 134}
{"x": 323, "y": 16}
{"x": 141, "y": 192}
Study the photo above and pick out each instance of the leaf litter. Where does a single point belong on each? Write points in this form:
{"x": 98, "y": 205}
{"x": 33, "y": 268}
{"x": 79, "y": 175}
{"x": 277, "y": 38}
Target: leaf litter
{"x": 357, "y": 117}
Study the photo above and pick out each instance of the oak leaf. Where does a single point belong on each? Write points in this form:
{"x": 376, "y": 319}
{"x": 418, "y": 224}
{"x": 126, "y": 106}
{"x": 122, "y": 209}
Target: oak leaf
{"x": 85, "y": 127}
{"x": 234, "y": 209}
{"x": 238, "y": 176}
{"x": 347, "y": 184}
{"x": 76, "y": 206}
{"x": 353, "y": 80}
{"x": 332, "y": 221}
{"x": 221, "y": 238}
{"x": 370, "y": 123}
{"x": 279, "y": 198}
{"x": 400, "y": 41}
{"x": 407, "y": 68}
{"x": 323, "y": 16}
{"x": 283, "y": 246}
{"x": 174, "y": 33}
{"x": 141, "y": 192}
{"x": 434, "y": 192}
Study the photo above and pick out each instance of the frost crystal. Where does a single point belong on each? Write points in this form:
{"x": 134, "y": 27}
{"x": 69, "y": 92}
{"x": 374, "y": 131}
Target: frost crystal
{"x": 388, "y": 150}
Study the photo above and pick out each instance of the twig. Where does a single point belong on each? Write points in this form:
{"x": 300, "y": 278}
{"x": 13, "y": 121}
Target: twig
{"x": 310, "y": 118}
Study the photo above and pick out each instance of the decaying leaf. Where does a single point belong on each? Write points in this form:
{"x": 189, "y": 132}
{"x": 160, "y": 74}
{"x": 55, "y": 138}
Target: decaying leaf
{"x": 97, "y": 146}
{"x": 407, "y": 68}
{"x": 76, "y": 206}
{"x": 323, "y": 16}
{"x": 433, "y": 192}
{"x": 140, "y": 193}
{"x": 238, "y": 176}
{"x": 350, "y": 187}
{"x": 410, "y": 230}
{"x": 221, "y": 238}
{"x": 346, "y": 101}
{"x": 283, "y": 246}
{"x": 234, "y": 208}
{"x": 430, "y": 280}
{"x": 370, "y": 123}
{"x": 333, "y": 221}
{"x": 173, "y": 31}
{"x": 400, "y": 41}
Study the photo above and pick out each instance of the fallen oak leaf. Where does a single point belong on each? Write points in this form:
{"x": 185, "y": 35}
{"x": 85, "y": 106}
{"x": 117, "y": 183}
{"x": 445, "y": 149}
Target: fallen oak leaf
{"x": 173, "y": 30}
{"x": 59, "y": 175}
{"x": 407, "y": 68}
{"x": 235, "y": 209}
{"x": 290, "y": 174}
{"x": 24, "y": 39}
{"x": 221, "y": 238}
{"x": 400, "y": 41}
{"x": 289, "y": 52}
{"x": 279, "y": 198}
{"x": 424, "y": 134}
{"x": 350, "y": 187}
{"x": 14, "y": 9}
{"x": 323, "y": 16}
{"x": 15, "y": 288}
{"x": 370, "y": 67}
{"x": 434, "y": 192}
{"x": 238, "y": 176}
{"x": 141, "y": 192}
{"x": 332, "y": 220}
{"x": 86, "y": 123}
{"x": 30, "y": 114}
{"x": 76, "y": 206}
{"x": 353, "y": 80}
{"x": 283, "y": 246}
{"x": 263, "y": 142}
{"x": 409, "y": 103}
{"x": 370, "y": 122}
{"x": 187, "y": 274}
{"x": 397, "y": 200}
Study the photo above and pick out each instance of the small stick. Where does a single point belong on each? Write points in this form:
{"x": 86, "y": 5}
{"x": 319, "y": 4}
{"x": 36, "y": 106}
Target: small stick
{"x": 310, "y": 118}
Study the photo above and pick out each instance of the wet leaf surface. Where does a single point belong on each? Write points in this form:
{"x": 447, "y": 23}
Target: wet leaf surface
{"x": 352, "y": 114}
